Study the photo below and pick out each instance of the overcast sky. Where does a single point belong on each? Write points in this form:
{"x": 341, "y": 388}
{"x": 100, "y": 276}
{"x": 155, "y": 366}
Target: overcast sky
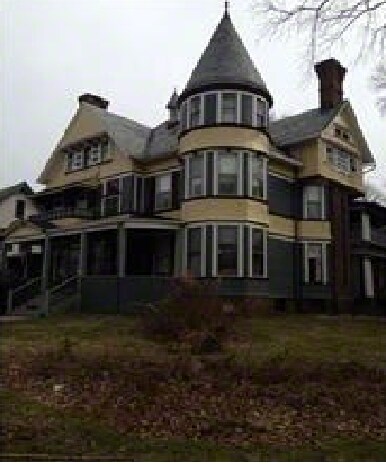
{"x": 134, "y": 52}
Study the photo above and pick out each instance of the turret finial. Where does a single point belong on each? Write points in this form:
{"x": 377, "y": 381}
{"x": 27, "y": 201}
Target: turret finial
{"x": 226, "y": 12}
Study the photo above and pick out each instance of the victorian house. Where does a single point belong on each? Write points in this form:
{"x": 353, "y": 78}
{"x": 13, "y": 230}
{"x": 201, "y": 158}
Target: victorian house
{"x": 216, "y": 191}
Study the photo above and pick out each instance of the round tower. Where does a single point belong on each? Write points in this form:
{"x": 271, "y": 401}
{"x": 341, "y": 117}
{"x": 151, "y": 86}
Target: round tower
{"x": 224, "y": 145}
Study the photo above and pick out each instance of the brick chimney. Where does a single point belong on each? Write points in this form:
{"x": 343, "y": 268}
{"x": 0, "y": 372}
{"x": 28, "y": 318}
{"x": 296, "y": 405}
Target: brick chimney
{"x": 94, "y": 100}
{"x": 331, "y": 74}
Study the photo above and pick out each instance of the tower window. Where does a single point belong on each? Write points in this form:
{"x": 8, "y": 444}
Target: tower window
{"x": 227, "y": 250}
{"x": 246, "y": 109}
{"x": 228, "y": 172}
{"x": 257, "y": 252}
{"x": 210, "y": 109}
{"x": 257, "y": 176}
{"x": 195, "y": 104}
{"x": 196, "y": 175}
{"x": 261, "y": 113}
{"x": 229, "y": 108}
{"x": 194, "y": 244}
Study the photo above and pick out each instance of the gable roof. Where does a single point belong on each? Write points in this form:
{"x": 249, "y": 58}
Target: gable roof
{"x": 226, "y": 61}
{"x": 130, "y": 136}
{"x": 301, "y": 127}
{"x": 309, "y": 125}
{"x": 20, "y": 188}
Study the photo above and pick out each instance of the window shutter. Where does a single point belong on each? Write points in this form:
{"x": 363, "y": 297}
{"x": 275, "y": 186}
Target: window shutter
{"x": 181, "y": 185}
{"x": 127, "y": 194}
{"x": 175, "y": 189}
{"x": 210, "y": 109}
{"x": 209, "y": 250}
{"x": 247, "y": 250}
{"x": 139, "y": 206}
{"x": 149, "y": 193}
{"x": 209, "y": 173}
{"x": 246, "y": 165}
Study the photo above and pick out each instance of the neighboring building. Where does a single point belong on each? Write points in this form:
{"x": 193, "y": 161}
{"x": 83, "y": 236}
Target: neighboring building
{"x": 15, "y": 204}
{"x": 217, "y": 190}
{"x": 368, "y": 240}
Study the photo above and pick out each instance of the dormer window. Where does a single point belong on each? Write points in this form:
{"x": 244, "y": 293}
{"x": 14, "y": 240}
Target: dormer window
{"x": 229, "y": 108}
{"x": 76, "y": 160}
{"x": 94, "y": 155}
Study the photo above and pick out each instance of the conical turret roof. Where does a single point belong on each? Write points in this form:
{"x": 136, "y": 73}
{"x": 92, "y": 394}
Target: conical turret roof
{"x": 226, "y": 61}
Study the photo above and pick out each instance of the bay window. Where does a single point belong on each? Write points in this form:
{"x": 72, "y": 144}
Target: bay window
{"x": 228, "y": 172}
{"x": 229, "y": 108}
{"x": 227, "y": 250}
{"x": 194, "y": 251}
{"x": 163, "y": 192}
{"x": 313, "y": 202}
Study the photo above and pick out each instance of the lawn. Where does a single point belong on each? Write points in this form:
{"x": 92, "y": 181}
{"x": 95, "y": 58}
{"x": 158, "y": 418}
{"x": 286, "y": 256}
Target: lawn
{"x": 286, "y": 387}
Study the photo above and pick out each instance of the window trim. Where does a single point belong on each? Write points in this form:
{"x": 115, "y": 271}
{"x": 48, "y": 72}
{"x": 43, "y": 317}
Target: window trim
{"x": 251, "y": 155}
{"x": 187, "y": 174}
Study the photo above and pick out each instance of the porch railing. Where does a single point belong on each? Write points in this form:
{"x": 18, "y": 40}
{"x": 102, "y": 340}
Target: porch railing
{"x": 62, "y": 292}
{"x": 20, "y": 295}
{"x": 65, "y": 212}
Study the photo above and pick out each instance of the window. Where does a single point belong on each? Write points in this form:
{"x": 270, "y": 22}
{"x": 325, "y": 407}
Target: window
{"x": 94, "y": 155}
{"x": 257, "y": 176}
{"x": 194, "y": 246}
{"x": 227, "y": 172}
{"x": 257, "y": 253}
{"x": 340, "y": 159}
{"x": 314, "y": 263}
{"x": 210, "y": 104}
{"x": 261, "y": 113}
{"x": 76, "y": 161}
{"x": 196, "y": 175}
{"x": 229, "y": 108}
{"x": 20, "y": 209}
{"x": 313, "y": 202}
{"x": 195, "y": 104}
{"x": 227, "y": 255}
{"x": 163, "y": 192}
{"x": 162, "y": 258}
{"x": 246, "y": 109}
{"x": 111, "y": 200}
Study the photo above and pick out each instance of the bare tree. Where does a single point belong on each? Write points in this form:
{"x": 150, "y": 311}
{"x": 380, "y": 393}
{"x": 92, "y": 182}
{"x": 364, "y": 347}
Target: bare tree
{"x": 379, "y": 83}
{"x": 324, "y": 25}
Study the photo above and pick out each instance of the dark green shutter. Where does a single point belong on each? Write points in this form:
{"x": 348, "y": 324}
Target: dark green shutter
{"x": 247, "y": 251}
{"x": 210, "y": 109}
{"x": 175, "y": 189}
{"x": 209, "y": 173}
{"x": 209, "y": 250}
{"x": 127, "y": 194}
{"x": 149, "y": 195}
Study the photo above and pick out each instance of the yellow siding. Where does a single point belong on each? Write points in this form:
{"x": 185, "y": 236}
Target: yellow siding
{"x": 314, "y": 229}
{"x": 315, "y": 163}
{"x": 84, "y": 124}
{"x": 217, "y": 209}
{"x": 224, "y": 137}
{"x": 281, "y": 225}
{"x": 25, "y": 231}
{"x": 282, "y": 168}
{"x": 162, "y": 165}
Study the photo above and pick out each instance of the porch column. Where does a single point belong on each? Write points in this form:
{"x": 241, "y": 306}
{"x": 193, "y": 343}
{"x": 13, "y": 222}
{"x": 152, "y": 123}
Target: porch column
{"x": 121, "y": 250}
{"x": 369, "y": 278}
{"x": 82, "y": 271}
{"x": 46, "y": 262}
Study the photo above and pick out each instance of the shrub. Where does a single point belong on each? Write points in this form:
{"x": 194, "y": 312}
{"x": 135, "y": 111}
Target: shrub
{"x": 193, "y": 314}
